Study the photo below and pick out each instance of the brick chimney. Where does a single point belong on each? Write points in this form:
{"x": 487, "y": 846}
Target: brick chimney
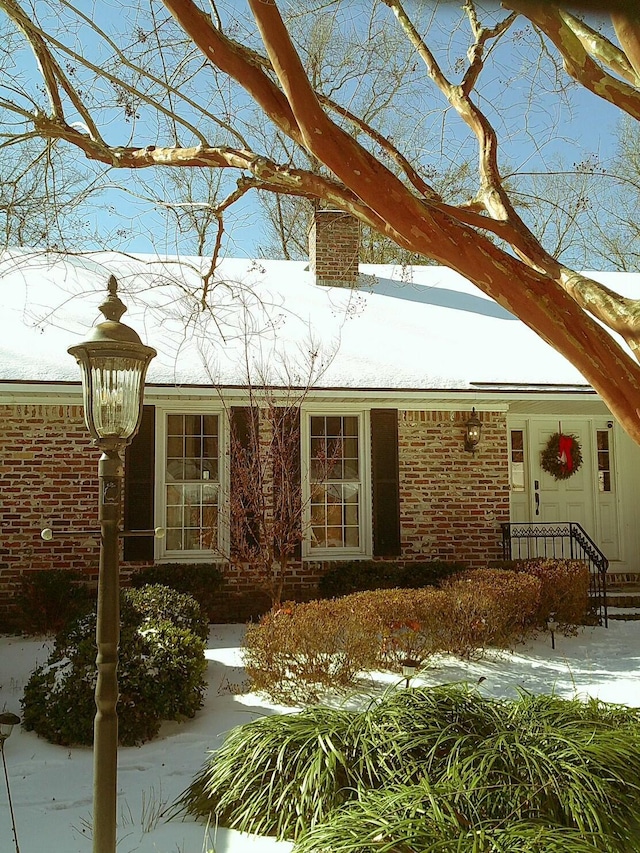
{"x": 334, "y": 246}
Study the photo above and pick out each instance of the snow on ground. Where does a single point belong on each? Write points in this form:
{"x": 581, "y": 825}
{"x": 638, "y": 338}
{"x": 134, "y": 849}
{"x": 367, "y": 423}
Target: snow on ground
{"x": 51, "y": 786}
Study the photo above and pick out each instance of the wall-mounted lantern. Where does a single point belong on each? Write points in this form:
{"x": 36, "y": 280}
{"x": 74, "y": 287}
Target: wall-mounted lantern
{"x": 473, "y": 432}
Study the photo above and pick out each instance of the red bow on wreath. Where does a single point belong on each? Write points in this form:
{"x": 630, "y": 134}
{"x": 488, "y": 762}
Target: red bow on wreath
{"x": 565, "y": 446}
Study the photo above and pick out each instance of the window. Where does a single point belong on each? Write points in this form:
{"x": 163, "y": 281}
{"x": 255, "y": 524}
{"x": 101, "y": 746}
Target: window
{"x": 517, "y": 460}
{"x": 191, "y": 482}
{"x": 604, "y": 460}
{"x": 335, "y": 488}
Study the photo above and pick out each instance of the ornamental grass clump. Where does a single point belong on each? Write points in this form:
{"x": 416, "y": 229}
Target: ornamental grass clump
{"x": 440, "y": 768}
{"x": 435, "y": 819}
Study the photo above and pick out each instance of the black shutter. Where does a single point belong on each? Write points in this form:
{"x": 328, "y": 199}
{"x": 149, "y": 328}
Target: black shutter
{"x": 139, "y": 483}
{"x": 385, "y": 482}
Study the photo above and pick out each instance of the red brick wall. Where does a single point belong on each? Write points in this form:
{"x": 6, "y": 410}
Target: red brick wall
{"x": 48, "y": 477}
{"x": 334, "y": 245}
{"x": 452, "y": 502}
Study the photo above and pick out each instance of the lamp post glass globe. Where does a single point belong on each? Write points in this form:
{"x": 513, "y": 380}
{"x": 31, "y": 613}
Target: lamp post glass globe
{"x": 114, "y": 363}
{"x": 7, "y": 722}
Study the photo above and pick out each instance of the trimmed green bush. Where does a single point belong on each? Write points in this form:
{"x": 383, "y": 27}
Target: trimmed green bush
{"x": 430, "y": 573}
{"x": 350, "y": 576}
{"x": 440, "y": 768}
{"x": 160, "y": 672}
{"x": 156, "y": 602}
{"x": 49, "y": 598}
{"x": 203, "y": 581}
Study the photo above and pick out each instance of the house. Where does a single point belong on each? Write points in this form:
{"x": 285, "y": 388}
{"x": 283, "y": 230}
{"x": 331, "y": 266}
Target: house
{"x": 394, "y": 362}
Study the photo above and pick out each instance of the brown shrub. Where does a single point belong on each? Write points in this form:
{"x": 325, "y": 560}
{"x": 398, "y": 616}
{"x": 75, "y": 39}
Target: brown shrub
{"x": 490, "y": 608}
{"x": 409, "y": 623}
{"x": 299, "y": 649}
{"x": 564, "y": 590}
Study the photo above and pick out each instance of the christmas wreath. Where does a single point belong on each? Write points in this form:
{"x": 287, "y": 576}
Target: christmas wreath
{"x": 562, "y": 456}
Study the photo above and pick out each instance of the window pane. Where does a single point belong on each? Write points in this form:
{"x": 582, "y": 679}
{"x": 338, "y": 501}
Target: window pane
{"x": 318, "y": 426}
{"x": 350, "y": 426}
{"x": 191, "y": 474}
{"x": 517, "y": 460}
{"x": 334, "y": 426}
{"x": 335, "y": 490}
{"x": 604, "y": 461}
{"x": 210, "y": 425}
{"x": 175, "y": 425}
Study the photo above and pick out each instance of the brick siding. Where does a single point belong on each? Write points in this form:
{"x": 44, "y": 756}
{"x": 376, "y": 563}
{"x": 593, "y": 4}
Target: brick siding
{"x": 334, "y": 245}
{"x": 48, "y": 478}
{"x": 451, "y": 503}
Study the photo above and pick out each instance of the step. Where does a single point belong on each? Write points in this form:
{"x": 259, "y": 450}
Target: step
{"x": 623, "y": 598}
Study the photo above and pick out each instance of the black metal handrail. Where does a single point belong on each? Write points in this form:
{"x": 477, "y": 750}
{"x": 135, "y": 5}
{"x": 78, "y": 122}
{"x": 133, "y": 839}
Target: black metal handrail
{"x": 560, "y": 540}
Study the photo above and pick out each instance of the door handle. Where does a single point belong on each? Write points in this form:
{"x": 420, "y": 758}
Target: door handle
{"x": 537, "y": 498}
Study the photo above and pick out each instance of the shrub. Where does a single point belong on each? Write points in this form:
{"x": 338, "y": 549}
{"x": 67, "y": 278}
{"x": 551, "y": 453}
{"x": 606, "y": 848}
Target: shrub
{"x": 203, "y": 581}
{"x": 49, "y": 598}
{"x": 430, "y": 573}
{"x": 160, "y": 672}
{"x": 299, "y": 649}
{"x": 344, "y": 578}
{"x": 159, "y": 602}
{"x": 439, "y": 768}
{"x": 404, "y": 624}
{"x": 350, "y": 576}
{"x": 564, "y": 589}
{"x": 490, "y": 608}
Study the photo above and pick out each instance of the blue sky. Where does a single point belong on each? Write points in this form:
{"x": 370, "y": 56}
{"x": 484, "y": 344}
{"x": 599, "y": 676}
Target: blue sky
{"x": 541, "y": 132}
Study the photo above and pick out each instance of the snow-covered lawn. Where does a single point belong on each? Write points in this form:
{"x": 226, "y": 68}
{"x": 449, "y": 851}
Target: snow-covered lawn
{"x": 51, "y": 785}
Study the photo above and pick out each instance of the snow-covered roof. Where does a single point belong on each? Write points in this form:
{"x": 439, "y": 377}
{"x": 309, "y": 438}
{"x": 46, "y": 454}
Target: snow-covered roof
{"x": 403, "y": 328}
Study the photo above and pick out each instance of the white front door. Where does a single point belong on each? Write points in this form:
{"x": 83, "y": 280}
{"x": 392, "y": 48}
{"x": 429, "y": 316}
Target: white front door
{"x": 586, "y": 497}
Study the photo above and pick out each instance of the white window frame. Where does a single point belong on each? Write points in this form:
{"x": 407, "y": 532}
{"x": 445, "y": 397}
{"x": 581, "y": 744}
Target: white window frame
{"x": 162, "y": 553}
{"x": 365, "y": 549}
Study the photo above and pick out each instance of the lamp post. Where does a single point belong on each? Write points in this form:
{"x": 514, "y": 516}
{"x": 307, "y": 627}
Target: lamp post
{"x": 114, "y": 362}
{"x": 7, "y": 722}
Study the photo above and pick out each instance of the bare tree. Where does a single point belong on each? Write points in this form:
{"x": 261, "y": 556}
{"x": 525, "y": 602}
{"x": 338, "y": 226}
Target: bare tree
{"x": 230, "y": 91}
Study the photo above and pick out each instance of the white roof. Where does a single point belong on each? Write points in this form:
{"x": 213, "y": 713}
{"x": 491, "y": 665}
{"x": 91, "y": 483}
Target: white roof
{"x": 403, "y": 328}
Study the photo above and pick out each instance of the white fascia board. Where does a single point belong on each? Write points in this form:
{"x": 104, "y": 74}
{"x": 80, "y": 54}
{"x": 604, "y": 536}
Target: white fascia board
{"x": 407, "y": 399}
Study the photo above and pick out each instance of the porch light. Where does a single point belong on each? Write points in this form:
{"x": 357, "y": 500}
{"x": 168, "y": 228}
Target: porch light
{"x": 473, "y": 432}
{"x": 114, "y": 362}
